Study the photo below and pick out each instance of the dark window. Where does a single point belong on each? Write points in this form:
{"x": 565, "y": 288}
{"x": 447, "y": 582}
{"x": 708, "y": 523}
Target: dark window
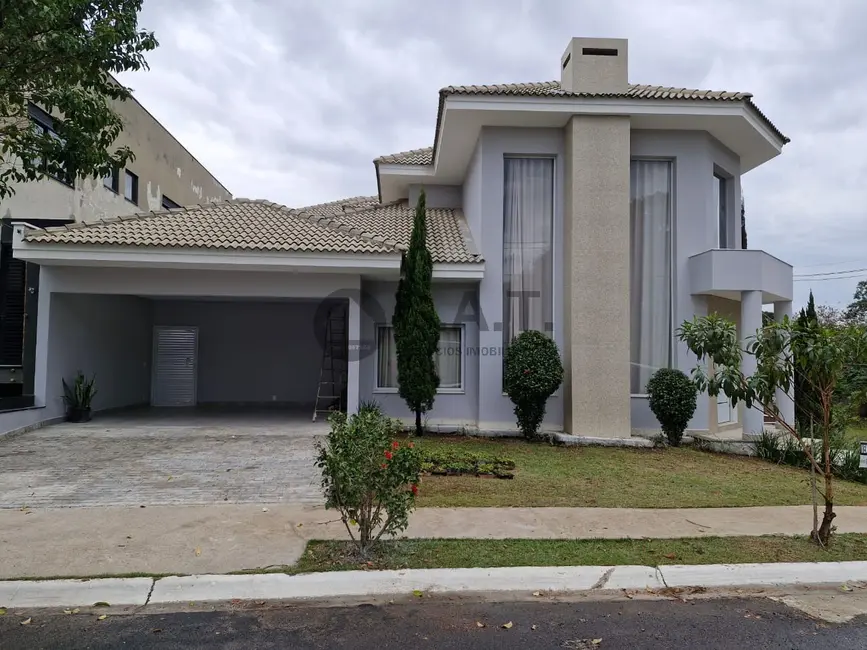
{"x": 168, "y": 204}
{"x": 130, "y": 187}
{"x": 720, "y": 189}
{"x": 44, "y": 123}
{"x": 112, "y": 181}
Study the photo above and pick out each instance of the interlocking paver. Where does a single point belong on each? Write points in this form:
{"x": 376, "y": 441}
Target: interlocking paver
{"x": 163, "y": 459}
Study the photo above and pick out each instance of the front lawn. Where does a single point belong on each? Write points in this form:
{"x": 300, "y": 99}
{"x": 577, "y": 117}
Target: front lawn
{"x": 620, "y": 478}
{"x": 464, "y": 553}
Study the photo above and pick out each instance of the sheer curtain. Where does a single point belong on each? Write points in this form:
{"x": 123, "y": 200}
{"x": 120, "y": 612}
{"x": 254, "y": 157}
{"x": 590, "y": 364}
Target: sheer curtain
{"x": 650, "y": 282}
{"x": 528, "y": 261}
{"x": 387, "y": 359}
{"x": 449, "y": 358}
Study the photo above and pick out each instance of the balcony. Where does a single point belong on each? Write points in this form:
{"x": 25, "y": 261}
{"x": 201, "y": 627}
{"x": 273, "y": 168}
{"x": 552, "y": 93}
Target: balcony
{"x": 726, "y": 272}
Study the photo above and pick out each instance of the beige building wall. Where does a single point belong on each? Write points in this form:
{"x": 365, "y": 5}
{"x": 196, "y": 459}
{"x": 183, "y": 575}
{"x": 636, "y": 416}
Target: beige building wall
{"x": 596, "y": 301}
{"x": 162, "y": 164}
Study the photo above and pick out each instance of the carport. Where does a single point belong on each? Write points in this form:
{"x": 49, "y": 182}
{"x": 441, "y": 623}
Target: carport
{"x": 216, "y": 340}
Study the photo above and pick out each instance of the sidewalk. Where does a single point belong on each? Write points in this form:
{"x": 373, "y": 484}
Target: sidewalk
{"x": 225, "y": 538}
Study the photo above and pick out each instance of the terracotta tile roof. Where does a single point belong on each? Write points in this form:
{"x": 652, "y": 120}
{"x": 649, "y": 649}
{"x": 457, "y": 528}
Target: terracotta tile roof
{"x": 357, "y": 225}
{"x": 552, "y": 89}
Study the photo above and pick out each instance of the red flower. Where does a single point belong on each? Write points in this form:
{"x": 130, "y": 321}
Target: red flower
{"x": 527, "y": 371}
{"x": 384, "y": 466}
{"x": 414, "y": 488}
{"x": 395, "y": 445}
{"x": 388, "y": 455}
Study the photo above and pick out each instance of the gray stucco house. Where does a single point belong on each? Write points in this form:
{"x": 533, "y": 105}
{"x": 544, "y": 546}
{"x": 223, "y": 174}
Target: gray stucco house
{"x": 600, "y": 211}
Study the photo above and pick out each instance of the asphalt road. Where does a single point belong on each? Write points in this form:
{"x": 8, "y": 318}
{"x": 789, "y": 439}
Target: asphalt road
{"x": 630, "y": 624}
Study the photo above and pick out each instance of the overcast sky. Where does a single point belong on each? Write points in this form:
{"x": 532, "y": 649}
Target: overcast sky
{"x": 290, "y": 100}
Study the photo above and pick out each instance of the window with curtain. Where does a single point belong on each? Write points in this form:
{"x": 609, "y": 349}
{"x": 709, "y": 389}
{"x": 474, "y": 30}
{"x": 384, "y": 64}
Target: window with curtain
{"x": 650, "y": 282}
{"x": 528, "y": 252}
{"x": 449, "y": 358}
{"x": 720, "y": 188}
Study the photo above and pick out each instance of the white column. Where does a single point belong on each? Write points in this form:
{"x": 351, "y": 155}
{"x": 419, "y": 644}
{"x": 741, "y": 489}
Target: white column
{"x": 751, "y": 321}
{"x": 785, "y": 401}
{"x": 353, "y": 374}
{"x": 41, "y": 394}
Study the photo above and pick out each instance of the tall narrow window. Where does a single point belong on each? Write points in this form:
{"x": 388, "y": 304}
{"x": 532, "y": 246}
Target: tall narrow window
{"x": 720, "y": 189}
{"x": 528, "y": 252}
{"x": 130, "y": 187}
{"x": 650, "y": 281}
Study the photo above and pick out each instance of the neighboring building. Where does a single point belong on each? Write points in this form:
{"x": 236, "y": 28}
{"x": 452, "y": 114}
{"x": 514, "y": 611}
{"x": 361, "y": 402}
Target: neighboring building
{"x": 602, "y": 212}
{"x": 163, "y": 175}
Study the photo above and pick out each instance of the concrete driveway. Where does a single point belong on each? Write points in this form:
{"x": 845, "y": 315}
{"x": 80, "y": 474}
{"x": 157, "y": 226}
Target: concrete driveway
{"x": 164, "y": 458}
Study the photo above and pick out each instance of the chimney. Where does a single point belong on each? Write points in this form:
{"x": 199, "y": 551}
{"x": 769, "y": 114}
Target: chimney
{"x": 595, "y": 65}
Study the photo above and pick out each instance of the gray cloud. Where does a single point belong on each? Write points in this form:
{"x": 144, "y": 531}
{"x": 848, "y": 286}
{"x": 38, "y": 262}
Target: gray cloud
{"x": 291, "y": 100}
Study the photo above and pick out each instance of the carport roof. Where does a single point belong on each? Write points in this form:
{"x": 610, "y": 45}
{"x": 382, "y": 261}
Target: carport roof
{"x": 356, "y": 225}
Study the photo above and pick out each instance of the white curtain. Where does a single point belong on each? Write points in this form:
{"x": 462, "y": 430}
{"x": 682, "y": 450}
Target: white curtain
{"x": 449, "y": 357}
{"x": 650, "y": 282}
{"x": 528, "y": 260}
{"x": 387, "y": 358}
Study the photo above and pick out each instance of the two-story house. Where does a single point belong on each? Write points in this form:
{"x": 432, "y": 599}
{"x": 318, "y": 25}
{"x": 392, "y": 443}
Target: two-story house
{"x": 602, "y": 212}
{"x": 163, "y": 175}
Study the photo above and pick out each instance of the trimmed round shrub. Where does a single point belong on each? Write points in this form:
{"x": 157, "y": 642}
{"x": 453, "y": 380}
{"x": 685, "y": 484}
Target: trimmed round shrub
{"x": 673, "y": 399}
{"x": 532, "y": 372}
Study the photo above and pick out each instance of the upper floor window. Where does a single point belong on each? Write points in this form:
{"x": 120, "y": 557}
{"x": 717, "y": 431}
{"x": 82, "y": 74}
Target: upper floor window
{"x": 112, "y": 181}
{"x": 720, "y": 192}
{"x": 168, "y": 204}
{"x": 44, "y": 123}
{"x": 528, "y": 246}
{"x": 650, "y": 210}
{"x": 130, "y": 187}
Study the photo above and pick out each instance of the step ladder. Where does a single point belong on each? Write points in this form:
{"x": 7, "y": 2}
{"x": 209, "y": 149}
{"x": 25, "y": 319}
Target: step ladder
{"x": 331, "y": 392}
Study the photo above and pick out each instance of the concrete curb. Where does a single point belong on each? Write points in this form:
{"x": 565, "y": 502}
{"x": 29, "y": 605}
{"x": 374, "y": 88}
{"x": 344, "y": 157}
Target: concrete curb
{"x": 75, "y": 593}
{"x": 347, "y": 584}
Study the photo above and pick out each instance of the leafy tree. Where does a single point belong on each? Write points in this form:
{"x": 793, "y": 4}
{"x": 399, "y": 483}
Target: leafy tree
{"x": 743, "y": 225}
{"x": 820, "y": 353}
{"x": 856, "y": 312}
{"x": 59, "y": 55}
{"x": 416, "y": 323}
{"x": 369, "y": 478}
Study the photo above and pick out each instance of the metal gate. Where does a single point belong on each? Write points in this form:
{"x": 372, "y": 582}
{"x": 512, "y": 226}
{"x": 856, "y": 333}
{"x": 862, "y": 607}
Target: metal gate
{"x": 174, "y": 366}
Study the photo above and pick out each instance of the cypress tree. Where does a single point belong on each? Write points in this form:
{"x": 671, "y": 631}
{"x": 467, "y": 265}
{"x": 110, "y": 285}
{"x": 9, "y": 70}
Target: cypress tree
{"x": 416, "y": 323}
{"x": 807, "y": 402}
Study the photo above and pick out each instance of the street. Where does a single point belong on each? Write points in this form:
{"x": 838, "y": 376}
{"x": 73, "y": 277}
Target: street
{"x": 621, "y": 624}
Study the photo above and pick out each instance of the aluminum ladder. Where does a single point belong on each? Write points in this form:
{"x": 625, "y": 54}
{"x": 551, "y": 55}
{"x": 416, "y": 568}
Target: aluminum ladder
{"x": 331, "y": 391}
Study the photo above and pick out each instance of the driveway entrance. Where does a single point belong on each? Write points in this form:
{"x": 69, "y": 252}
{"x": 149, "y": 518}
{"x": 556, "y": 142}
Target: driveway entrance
{"x": 164, "y": 457}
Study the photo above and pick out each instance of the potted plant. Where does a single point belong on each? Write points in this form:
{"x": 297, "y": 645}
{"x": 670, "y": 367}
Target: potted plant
{"x": 78, "y": 398}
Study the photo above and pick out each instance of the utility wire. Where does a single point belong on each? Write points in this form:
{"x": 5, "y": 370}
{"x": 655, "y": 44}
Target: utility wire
{"x": 815, "y": 275}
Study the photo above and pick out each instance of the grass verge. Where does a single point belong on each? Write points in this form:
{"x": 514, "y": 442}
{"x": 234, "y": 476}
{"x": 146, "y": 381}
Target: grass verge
{"x": 465, "y": 553}
{"x": 546, "y": 475}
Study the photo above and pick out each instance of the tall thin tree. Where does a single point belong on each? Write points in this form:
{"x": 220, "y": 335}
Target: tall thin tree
{"x": 416, "y": 323}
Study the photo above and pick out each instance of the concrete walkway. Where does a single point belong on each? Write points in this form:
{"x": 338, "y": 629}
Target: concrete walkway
{"x": 231, "y": 537}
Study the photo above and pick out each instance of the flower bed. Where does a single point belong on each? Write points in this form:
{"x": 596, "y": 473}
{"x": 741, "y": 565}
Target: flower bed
{"x": 457, "y": 463}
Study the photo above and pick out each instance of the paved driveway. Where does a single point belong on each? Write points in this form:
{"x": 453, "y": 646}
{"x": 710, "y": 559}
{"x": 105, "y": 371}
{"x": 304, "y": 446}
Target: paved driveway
{"x": 163, "y": 458}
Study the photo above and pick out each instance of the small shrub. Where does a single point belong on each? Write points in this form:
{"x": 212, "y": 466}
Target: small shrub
{"x": 369, "y": 479}
{"x": 452, "y": 462}
{"x": 369, "y": 406}
{"x": 673, "y": 399}
{"x": 532, "y": 372}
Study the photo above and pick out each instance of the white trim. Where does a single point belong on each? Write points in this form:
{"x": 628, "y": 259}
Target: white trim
{"x": 607, "y": 106}
{"x": 385, "y": 390}
{"x": 122, "y": 256}
{"x": 405, "y": 169}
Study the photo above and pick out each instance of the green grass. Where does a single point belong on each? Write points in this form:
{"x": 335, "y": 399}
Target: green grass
{"x": 463, "y": 553}
{"x": 621, "y": 478}
{"x": 857, "y": 432}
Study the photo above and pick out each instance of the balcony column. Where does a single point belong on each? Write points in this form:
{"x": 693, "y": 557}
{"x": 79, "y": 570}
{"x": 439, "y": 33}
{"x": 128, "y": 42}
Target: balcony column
{"x": 785, "y": 401}
{"x": 751, "y": 321}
